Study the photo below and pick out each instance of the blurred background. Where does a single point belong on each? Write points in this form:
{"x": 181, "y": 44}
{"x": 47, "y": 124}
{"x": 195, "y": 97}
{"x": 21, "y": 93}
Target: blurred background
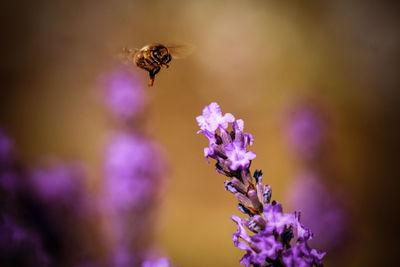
{"x": 292, "y": 71}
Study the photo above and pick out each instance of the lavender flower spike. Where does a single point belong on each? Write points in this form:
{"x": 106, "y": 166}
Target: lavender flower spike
{"x": 228, "y": 148}
{"x": 272, "y": 242}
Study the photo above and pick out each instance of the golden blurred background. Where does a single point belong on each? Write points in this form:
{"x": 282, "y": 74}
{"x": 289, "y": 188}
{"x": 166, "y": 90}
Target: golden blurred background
{"x": 255, "y": 58}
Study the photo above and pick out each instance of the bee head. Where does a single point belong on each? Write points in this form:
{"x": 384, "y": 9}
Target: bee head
{"x": 161, "y": 54}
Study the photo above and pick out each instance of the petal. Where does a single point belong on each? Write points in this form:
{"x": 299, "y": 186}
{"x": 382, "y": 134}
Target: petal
{"x": 251, "y": 155}
{"x": 228, "y": 118}
{"x": 317, "y": 255}
{"x": 238, "y": 125}
{"x": 207, "y": 152}
{"x": 248, "y": 139}
{"x": 201, "y": 122}
{"x": 212, "y": 108}
{"x": 241, "y": 232}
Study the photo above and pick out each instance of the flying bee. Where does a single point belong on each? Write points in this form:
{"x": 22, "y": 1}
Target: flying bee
{"x": 153, "y": 57}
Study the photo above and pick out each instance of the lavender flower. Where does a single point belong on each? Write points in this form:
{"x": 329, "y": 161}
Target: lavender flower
{"x": 230, "y": 148}
{"x": 212, "y": 118}
{"x": 123, "y": 93}
{"x": 237, "y": 154}
{"x": 133, "y": 167}
{"x": 276, "y": 220}
{"x": 272, "y": 242}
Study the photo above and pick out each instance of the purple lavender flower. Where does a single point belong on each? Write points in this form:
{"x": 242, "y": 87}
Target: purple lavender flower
{"x": 238, "y": 155}
{"x": 212, "y": 119}
{"x": 272, "y": 242}
{"x": 301, "y": 255}
{"x": 276, "y": 220}
{"x": 264, "y": 247}
{"x": 229, "y": 148}
{"x": 294, "y": 257}
{"x": 123, "y": 93}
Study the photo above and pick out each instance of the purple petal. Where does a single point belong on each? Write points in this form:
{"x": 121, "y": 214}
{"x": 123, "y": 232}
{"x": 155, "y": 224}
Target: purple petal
{"x": 237, "y": 154}
{"x": 212, "y": 118}
{"x": 318, "y": 256}
{"x": 241, "y": 233}
{"x": 275, "y": 219}
{"x": 267, "y": 245}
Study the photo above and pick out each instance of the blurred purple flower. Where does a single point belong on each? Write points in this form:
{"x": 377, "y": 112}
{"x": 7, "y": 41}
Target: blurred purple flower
{"x": 61, "y": 184}
{"x": 123, "y": 92}
{"x": 132, "y": 167}
{"x": 305, "y": 131}
{"x": 122, "y": 256}
{"x": 53, "y": 208}
{"x": 160, "y": 262}
{"x": 321, "y": 208}
{"x": 57, "y": 204}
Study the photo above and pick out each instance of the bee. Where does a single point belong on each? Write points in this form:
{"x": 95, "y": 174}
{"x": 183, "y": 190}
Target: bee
{"x": 153, "y": 57}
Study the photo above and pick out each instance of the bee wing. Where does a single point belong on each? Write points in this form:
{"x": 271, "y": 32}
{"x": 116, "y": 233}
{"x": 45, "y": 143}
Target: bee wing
{"x": 127, "y": 54}
{"x": 180, "y": 50}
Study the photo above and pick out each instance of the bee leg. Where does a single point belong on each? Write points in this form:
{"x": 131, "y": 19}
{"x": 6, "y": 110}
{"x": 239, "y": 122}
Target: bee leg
{"x": 151, "y": 82}
{"x": 153, "y": 73}
{"x": 152, "y": 77}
